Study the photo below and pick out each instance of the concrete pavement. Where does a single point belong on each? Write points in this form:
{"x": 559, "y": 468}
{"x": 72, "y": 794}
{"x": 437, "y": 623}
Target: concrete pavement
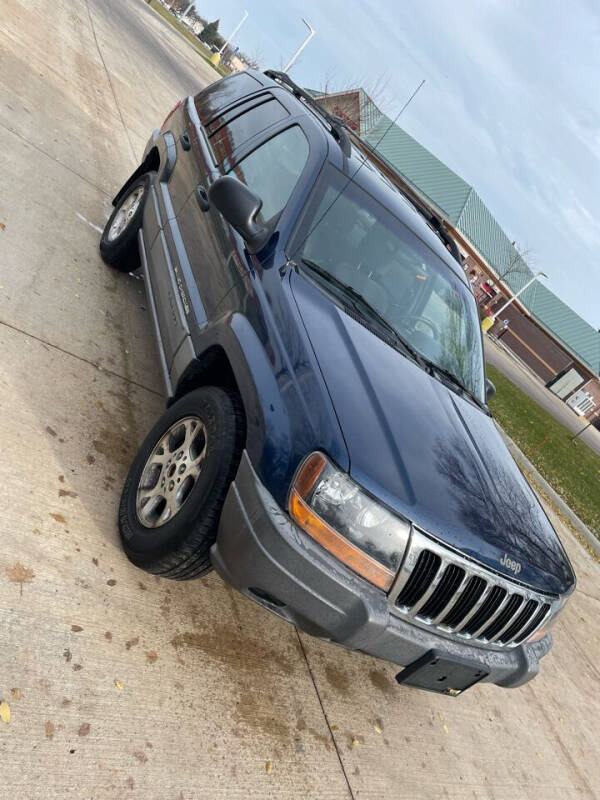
{"x": 124, "y": 685}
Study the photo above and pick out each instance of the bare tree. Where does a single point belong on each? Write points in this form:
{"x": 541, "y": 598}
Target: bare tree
{"x": 517, "y": 261}
{"x": 254, "y": 59}
{"x": 376, "y": 87}
{"x": 328, "y": 82}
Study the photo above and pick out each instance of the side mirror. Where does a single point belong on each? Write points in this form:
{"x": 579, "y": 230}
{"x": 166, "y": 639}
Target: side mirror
{"x": 490, "y": 390}
{"x": 239, "y": 205}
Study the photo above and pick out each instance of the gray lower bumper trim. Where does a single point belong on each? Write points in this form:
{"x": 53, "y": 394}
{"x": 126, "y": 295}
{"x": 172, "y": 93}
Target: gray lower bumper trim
{"x": 264, "y": 555}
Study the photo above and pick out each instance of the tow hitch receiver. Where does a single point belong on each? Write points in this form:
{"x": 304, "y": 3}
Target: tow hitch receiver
{"x": 436, "y": 672}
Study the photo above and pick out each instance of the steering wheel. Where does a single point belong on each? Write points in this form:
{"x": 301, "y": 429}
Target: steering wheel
{"x": 416, "y": 318}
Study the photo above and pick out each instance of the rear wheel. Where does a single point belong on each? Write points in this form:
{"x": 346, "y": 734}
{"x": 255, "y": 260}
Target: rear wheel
{"x": 118, "y": 243}
{"x": 176, "y": 487}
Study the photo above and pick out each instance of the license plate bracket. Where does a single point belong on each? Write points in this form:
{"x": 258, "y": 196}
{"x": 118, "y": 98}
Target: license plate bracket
{"x": 443, "y": 674}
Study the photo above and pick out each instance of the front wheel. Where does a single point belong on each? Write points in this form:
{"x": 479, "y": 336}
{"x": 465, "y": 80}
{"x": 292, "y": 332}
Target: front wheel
{"x": 118, "y": 243}
{"x": 176, "y": 487}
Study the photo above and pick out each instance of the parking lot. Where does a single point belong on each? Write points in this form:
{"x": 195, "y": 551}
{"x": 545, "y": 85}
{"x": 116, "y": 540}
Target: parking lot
{"x": 125, "y": 685}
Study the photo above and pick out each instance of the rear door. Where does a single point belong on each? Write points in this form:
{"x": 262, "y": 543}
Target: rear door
{"x": 210, "y": 244}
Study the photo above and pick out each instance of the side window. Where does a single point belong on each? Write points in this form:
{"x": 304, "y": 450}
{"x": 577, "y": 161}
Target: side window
{"x": 240, "y": 124}
{"x": 221, "y": 94}
{"x": 273, "y": 169}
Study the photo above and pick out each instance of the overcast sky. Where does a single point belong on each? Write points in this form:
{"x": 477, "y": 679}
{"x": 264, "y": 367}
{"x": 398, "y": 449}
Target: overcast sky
{"x": 511, "y": 103}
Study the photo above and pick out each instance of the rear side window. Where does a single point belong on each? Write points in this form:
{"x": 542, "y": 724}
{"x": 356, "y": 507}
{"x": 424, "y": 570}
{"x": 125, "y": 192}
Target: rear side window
{"x": 273, "y": 170}
{"x": 240, "y": 124}
{"x": 223, "y": 93}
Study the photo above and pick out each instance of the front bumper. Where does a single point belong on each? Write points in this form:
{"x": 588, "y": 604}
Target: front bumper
{"x": 264, "y": 555}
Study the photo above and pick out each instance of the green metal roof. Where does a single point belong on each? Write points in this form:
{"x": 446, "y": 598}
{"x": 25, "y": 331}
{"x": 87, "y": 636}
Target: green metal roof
{"x": 460, "y": 204}
{"x": 422, "y": 169}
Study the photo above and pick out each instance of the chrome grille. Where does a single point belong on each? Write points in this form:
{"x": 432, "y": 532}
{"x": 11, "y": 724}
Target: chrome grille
{"x": 437, "y": 587}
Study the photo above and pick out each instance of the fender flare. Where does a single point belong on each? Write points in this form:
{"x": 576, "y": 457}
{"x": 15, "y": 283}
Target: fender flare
{"x": 165, "y": 145}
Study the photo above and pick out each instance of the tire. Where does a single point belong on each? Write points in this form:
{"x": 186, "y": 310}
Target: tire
{"x": 178, "y": 545}
{"x": 119, "y": 249}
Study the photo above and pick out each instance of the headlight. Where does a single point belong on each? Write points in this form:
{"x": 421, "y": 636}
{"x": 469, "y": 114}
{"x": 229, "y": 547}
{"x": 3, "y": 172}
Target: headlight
{"x": 345, "y": 520}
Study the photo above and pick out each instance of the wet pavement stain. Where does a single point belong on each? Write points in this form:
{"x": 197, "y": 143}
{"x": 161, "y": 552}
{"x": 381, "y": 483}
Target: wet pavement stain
{"x": 338, "y": 679}
{"x": 381, "y": 681}
{"x": 252, "y": 712}
{"x": 115, "y": 446}
{"x": 230, "y": 647}
{"x": 322, "y": 738}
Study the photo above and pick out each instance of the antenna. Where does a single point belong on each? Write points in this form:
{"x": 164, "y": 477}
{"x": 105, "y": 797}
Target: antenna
{"x": 357, "y": 170}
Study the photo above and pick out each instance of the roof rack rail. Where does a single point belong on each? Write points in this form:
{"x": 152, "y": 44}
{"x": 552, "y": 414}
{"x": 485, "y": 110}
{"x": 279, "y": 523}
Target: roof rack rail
{"x": 337, "y": 126}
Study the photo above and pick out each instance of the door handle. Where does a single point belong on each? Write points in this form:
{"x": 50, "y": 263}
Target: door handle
{"x": 202, "y": 198}
{"x": 185, "y": 140}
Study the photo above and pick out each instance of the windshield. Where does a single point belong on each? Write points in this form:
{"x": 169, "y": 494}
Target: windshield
{"x": 360, "y": 243}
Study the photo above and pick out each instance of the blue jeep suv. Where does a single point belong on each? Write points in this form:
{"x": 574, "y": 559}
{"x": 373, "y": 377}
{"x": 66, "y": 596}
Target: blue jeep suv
{"x": 327, "y": 445}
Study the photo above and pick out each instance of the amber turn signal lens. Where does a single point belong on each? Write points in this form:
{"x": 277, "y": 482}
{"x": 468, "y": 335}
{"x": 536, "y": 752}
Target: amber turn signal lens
{"x": 537, "y": 636}
{"x": 335, "y": 543}
{"x": 309, "y": 473}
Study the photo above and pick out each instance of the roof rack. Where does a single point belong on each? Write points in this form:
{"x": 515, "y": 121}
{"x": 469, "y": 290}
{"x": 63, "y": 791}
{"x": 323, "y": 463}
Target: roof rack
{"x": 338, "y": 129}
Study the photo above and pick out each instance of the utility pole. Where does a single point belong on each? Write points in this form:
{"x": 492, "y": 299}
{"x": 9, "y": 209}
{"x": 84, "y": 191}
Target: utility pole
{"x": 292, "y": 60}
{"x": 216, "y": 57}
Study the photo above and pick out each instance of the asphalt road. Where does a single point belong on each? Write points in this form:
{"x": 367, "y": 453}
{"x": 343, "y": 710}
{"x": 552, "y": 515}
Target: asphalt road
{"x": 509, "y": 366}
{"x": 123, "y": 685}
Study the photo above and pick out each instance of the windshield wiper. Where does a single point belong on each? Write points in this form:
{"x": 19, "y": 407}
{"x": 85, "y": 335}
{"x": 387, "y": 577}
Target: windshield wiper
{"x": 446, "y": 373}
{"x": 360, "y": 303}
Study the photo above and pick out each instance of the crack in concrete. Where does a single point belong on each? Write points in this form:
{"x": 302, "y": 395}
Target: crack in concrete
{"x": 53, "y": 158}
{"x": 312, "y": 677}
{"x": 110, "y": 83}
{"x": 80, "y": 358}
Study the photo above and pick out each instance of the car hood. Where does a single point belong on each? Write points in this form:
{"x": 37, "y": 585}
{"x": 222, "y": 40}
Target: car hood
{"x": 428, "y": 453}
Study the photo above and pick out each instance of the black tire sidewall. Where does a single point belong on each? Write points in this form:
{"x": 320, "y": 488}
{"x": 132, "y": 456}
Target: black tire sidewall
{"x": 198, "y": 517}
{"x": 122, "y": 252}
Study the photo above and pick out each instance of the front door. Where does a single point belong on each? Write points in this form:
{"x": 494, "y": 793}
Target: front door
{"x": 210, "y": 259}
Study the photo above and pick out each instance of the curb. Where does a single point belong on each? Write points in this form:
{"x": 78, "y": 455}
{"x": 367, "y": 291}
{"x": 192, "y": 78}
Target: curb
{"x": 593, "y": 543}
